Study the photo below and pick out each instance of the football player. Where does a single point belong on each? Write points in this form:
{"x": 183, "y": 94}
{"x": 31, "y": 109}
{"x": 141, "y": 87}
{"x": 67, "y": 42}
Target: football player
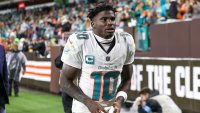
{"x": 104, "y": 57}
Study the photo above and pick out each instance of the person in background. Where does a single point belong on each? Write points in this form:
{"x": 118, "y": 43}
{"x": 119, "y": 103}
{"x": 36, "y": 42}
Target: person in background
{"x": 2, "y": 42}
{"x": 151, "y": 101}
{"x": 4, "y": 84}
{"x": 23, "y": 45}
{"x": 173, "y": 9}
{"x": 65, "y": 32}
{"x": 41, "y": 47}
{"x": 196, "y": 8}
{"x": 146, "y": 104}
{"x": 161, "y": 11}
{"x": 66, "y": 99}
{"x": 16, "y": 61}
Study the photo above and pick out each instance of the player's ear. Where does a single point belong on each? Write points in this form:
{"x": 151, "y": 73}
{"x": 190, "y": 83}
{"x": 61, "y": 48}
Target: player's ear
{"x": 92, "y": 24}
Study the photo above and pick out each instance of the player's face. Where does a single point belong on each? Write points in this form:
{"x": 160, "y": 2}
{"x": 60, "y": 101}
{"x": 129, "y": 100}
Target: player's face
{"x": 104, "y": 24}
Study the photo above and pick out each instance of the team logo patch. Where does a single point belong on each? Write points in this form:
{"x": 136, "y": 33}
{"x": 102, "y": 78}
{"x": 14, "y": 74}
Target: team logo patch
{"x": 66, "y": 50}
{"x": 82, "y": 36}
{"x": 124, "y": 34}
{"x": 89, "y": 59}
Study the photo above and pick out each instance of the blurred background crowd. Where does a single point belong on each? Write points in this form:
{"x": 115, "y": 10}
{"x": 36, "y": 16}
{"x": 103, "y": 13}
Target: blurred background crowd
{"x": 36, "y": 30}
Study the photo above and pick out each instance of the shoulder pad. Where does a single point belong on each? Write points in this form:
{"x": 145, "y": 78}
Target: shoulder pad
{"x": 125, "y": 34}
{"x": 126, "y": 37}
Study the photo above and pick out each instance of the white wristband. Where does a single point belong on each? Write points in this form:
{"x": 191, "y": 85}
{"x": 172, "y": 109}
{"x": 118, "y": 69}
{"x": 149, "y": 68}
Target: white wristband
{"x": 123, "y": 94}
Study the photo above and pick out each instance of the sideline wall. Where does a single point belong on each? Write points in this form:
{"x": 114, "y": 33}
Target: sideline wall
{"x": 179, "y": 40}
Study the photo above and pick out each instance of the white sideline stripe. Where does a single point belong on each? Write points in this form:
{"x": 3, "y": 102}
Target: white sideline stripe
{"x": 39, "y": 78}
{"x": 39, "y": 71}
{"x": 165, "y": 58}
{"x": 39, "y": 63}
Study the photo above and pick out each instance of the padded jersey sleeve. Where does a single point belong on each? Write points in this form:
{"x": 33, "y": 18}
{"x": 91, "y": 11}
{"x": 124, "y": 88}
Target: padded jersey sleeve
{"x": 72, "y": 52}
{"x": 130, "y": 50}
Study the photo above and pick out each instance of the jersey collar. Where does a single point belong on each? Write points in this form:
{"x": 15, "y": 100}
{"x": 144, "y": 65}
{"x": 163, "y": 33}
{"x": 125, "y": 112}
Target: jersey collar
{"x": 103, "y": 40}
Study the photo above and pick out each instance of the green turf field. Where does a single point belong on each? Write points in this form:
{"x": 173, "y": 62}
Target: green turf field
{"x": 35, "y": 102}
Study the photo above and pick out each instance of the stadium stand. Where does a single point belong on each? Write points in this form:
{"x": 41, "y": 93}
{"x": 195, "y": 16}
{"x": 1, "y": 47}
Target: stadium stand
{"x": 42, "y": 23}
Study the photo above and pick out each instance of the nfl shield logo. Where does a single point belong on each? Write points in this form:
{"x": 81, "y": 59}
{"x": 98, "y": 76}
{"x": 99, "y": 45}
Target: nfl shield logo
{"x": 107, "y": 58}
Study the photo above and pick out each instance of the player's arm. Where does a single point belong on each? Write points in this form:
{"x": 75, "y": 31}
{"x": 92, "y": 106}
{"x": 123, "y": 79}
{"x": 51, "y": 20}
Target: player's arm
{"x": 125, "y": 80}
{"x": 23, "y": 61}
{"x": 124, "y": 87}
{"x": 68, "y": 75}
{"x": 127, "y": 68}
{"x": 72, "y": 60}
{"x": 126, "y": 73}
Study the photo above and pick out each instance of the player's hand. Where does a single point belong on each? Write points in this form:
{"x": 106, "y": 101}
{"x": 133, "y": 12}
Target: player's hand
{"x": 117, "y": 107}
{"x": 138, "y": 101}
{"x": 95, "y": 107}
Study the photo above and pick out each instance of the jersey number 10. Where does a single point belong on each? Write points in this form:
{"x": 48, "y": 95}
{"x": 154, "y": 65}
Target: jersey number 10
{"x": 105, "y": 78}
